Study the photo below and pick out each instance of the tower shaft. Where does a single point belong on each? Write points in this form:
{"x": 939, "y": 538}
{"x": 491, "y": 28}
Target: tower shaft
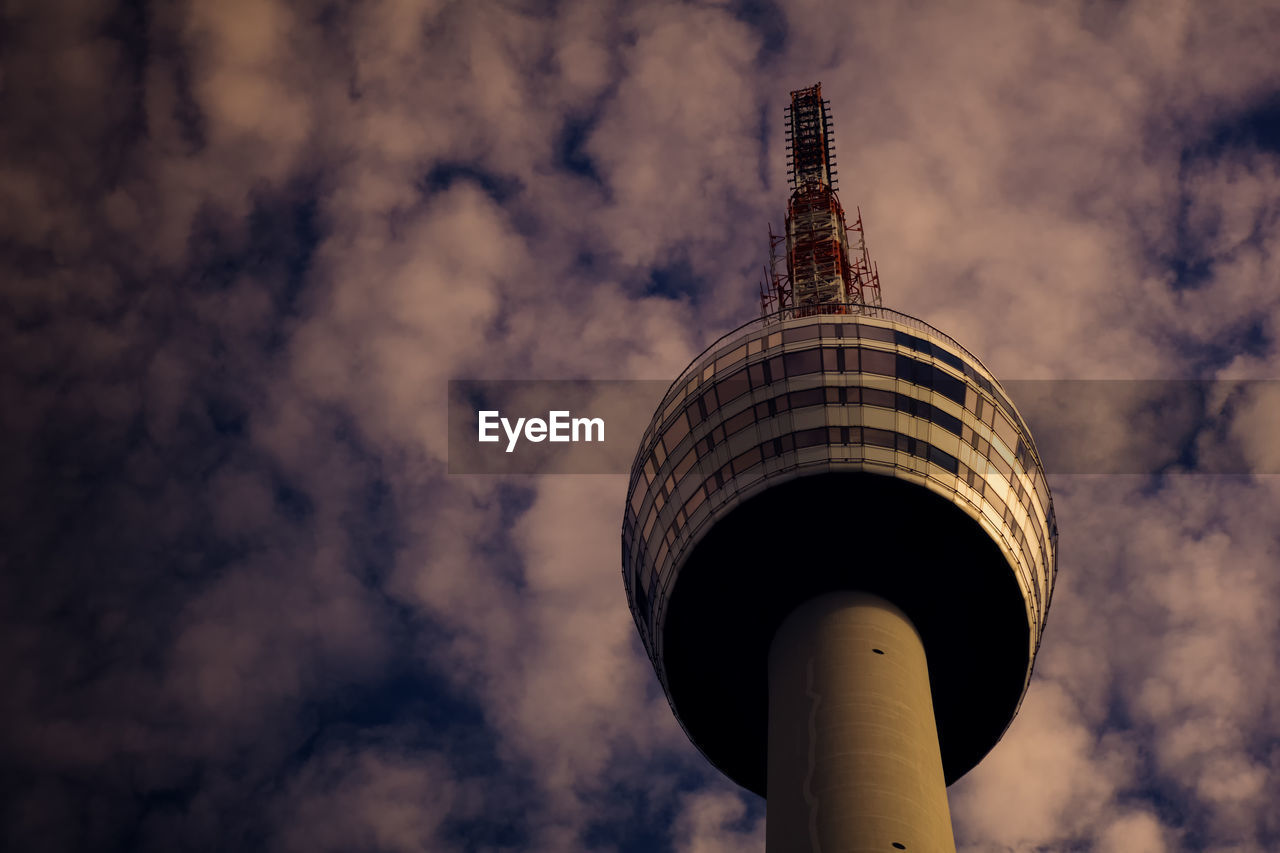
{"x": 854, "y": 762}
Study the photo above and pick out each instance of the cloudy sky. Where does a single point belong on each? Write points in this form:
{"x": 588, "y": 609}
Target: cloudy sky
{"x": 244, "y": 246}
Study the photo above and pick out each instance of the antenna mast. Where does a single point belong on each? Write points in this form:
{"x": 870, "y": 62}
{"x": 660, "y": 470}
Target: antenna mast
{"x": 824, "y": 274}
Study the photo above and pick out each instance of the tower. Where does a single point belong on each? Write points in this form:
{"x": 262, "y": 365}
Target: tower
{"x": 838, "y": 544}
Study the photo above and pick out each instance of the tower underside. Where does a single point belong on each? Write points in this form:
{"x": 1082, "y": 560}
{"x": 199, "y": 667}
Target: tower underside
{"x": 914, "y": 550}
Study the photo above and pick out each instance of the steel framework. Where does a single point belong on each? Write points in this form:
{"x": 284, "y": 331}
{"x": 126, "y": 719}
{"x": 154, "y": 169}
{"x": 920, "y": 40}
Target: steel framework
{"x": 823, "y": 274}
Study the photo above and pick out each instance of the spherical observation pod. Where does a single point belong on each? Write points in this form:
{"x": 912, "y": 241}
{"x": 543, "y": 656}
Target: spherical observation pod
{"x": 803, "y": 455}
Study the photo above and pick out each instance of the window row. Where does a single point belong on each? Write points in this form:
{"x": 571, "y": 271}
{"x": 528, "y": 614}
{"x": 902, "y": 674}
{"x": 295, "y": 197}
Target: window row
{"x": 834, "y": 436}
{"x": 803, "y": 363}
{"x": 789, "y": 401}
{"x": 848, "y": 332}
{"x": 836, "y": 331}
{"x": 831, "y": 395}
{"x": 860, "y": 331}
{"x": 1014, "y": 446}
{"x": 840, "y": 359}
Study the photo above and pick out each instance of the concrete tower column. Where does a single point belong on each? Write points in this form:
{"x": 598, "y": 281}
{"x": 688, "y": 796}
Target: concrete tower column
{"x": 854, "y": 763}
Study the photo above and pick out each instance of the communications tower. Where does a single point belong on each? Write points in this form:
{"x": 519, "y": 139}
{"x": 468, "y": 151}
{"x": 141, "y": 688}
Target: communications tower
{"x": 838, "y": 543}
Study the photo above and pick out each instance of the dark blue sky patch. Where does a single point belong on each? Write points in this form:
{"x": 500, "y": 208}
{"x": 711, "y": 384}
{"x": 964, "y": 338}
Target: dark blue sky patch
{"x": 675, "y": 280}
{"x": 1248, "y": 336}
{"x": 1189, "y": 260}
{"x": 630, "y": 820}
{"x": 127, "y": 25}
{"x": 1257, "y": 127}
{"x": 227, "y": 415}
{"x": 419, "y": 705}
{"x": 571, "y": 148}
{"x": 442, "y": 176}
{"x": 769, "y": 21}
{"x": 1189, "y": 271}
{"x": 275, "y": 248}
{"x": 506, "y": 831}
{"x": 637, "y": 819}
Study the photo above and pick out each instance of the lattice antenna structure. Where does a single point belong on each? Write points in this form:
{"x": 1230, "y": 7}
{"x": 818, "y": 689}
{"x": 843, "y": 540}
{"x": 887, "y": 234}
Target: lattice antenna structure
{"x": 824, "y": 274}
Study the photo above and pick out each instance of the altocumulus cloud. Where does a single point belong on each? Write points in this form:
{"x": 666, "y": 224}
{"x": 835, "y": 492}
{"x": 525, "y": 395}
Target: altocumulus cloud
{"x": 245, "y": 245}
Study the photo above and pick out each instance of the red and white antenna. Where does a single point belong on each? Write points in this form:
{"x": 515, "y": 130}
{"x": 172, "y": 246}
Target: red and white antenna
{"x": 824, "y": 274}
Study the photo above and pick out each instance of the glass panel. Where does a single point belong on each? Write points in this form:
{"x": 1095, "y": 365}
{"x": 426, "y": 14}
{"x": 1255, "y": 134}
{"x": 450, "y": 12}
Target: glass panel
{"x": 677, "y": 430}
{"x": 907, "y": 340}
{"x": 877, "y": 437}
{"x": 807, "y": 397}
{"x": 1004, "y": 429}
{"x": 776, "y": 369}
{"x": 945, "y": 460}
{"x": 734, "y": 386}
{"x": 756, "y": 372}
{"x": 683, "y": 467}
{"x": 695, "y": 501}
{"x": 1042, "y": 490}
{"x": 637, "y": 498}
{"x": 830, "y": 363}
{"x": 800, "y": 333}
{"x": 732, "y": 358}
{"x": 951, "y": 387}
{"x": 875, "y": 333}
{"x": 947, "y": 421}
{"x": 877, "y": 361}
{"x": 877, "y": 397}
{"x": 947, "y": 358}
{"x": 804, "y": 361}
{"x": 743, "y": 419}
{"x": 746, "y": 460}
{"x": 1002, "y": 466}
{"x": 673, "y": 405}
{"x": 811, "y": 437}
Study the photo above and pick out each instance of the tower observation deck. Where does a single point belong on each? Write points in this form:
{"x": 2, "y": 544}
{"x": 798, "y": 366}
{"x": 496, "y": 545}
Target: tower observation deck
{"x": 839, "y": 546}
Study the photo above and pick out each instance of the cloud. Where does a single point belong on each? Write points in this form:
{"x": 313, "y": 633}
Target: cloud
{"x": 245, "y": 245}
